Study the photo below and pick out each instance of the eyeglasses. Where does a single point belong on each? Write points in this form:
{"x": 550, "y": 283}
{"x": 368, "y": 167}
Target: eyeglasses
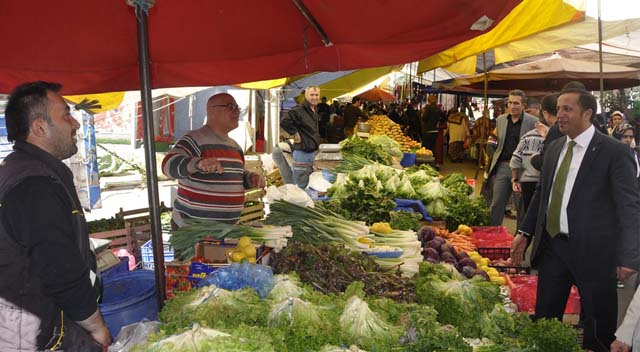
{"x": 627, "y": 136}
{"x": 231, "y": 107}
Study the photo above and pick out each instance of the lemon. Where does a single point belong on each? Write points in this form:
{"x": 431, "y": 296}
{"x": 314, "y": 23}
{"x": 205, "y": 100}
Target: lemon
{"x": 244, "y": 242}
{"x": 485, "y": 261}
{"x": 249, "y": 252}
{"x": 483, "y": 268}
{"x": 500, "y": 280}
{"x": 252, "y": 260}
{"x": 237, "y": 256}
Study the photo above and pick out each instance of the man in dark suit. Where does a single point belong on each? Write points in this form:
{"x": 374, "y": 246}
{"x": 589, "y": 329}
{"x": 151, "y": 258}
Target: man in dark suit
{"x": 587, "y": 208}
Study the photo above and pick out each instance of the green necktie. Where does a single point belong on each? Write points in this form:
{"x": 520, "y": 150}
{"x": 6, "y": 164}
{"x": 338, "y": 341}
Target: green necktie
{"x": 557, "y": 193}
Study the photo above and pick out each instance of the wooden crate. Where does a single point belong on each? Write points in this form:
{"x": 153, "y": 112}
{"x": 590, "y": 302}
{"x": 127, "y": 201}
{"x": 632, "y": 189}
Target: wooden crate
{"x": 274, "y": 178}
{"x": 252, "y": 213}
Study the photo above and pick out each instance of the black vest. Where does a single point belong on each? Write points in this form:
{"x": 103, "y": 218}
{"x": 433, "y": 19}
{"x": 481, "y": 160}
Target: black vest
{"x": 34, "y": 318}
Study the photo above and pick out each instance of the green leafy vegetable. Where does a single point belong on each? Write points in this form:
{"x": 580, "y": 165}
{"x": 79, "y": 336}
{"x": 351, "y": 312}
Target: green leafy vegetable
{"x": 462, "y": 209}
{"x": 360, "y": 325}
{"x": 405, "y": 220}
{"x": 355, "y": 145}
{"x": 459, "y": 302}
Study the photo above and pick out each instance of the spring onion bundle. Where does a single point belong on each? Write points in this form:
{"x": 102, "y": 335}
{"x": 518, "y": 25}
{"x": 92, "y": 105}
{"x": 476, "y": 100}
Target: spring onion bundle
{"x": 185, "y": 238}
{"x": 317, "y": 225}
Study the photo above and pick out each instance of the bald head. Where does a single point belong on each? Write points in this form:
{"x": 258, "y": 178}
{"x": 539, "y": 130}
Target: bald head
{"x": 223, "y": 113}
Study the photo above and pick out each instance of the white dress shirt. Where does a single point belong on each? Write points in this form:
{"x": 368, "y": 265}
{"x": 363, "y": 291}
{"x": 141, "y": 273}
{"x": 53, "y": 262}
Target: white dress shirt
{"x": 579, "y": 150}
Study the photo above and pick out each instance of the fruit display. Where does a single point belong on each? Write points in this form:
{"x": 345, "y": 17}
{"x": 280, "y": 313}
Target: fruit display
{"x": 244, "y": 250}
{"x": 424, "y": 152}
{"x": 381, "y": 124}
{"x": 483, "y": 264}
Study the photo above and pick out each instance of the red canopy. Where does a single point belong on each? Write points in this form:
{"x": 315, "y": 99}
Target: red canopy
{"x": 377, "y": 94}
{"x": 90, "y": 46}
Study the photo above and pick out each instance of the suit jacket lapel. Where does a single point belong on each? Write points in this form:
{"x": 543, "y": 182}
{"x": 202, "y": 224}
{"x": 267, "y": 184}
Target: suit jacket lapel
{"x": 587, "y": 162}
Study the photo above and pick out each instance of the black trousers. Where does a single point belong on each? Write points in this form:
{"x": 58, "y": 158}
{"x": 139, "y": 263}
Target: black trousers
{"x": 528, "y": 188}
{"x": 598, "y": 295}
{"x": 429, "y": 140}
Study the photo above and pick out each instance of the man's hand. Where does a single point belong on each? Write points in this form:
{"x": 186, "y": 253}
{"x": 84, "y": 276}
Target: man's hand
{"x": 297, "y": 138}
{"x": 624, "y": 273}
{"x": 103, "y": 337}
{"x": 617, "y": 346}
{"x": 257, "y": 181}
{"x": 542, "y": 129}
{"x": 518, "y": 246}
{"x": 96, "y": 327}
{"x": 209, "y": 165}
{"x": 517, "y": 188}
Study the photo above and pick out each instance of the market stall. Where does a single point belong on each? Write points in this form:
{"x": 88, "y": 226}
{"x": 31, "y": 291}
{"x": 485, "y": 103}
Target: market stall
{"x": 390, "y": 258}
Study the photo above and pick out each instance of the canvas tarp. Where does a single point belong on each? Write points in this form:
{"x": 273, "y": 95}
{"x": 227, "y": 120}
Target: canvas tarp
{"x": 528, "y": 18}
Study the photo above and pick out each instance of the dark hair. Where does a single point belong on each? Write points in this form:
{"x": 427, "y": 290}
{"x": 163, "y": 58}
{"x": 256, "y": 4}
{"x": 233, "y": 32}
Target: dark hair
{"x": 550, "y": 104}
{"x": 355, "y": 100}
{"x": 574, "y": 85}
{"x": 27, "y": 103}
{"x": 519, "y": 93}
{"x": 586, "y": 100}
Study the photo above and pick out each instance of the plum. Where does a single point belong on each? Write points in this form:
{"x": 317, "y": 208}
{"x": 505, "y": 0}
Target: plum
{"x": 446, "y": 247}
{"x": 426, "y": 233}
{"x": 434, "y": 244}
{"x": 467, "y": 262}
{"x": 431, "y": 253}
{"x": 448, "y": 256}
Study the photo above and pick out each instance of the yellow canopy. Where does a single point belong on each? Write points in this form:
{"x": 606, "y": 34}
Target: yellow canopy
{"x": 108, "y": 101}
{"x": 267, "y": 84}
{"x": 354, "y": 81}
{"x": 564, "y": 37}
{"x": 529, "y": 17}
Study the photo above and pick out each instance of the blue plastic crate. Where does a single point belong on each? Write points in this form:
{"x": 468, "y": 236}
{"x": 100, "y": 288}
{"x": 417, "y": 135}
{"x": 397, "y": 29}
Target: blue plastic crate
{"x": 147, "y": 254}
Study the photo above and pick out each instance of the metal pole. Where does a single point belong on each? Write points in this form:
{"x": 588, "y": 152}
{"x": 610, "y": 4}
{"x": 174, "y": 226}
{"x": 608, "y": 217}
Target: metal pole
{"x": 600, "y": 58}
{"x": 150, "y": 150}
{"x": 486, "y": 80}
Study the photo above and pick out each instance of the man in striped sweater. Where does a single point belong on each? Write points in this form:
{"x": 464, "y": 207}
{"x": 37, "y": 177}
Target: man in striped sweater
{"x": 209, "y": 167}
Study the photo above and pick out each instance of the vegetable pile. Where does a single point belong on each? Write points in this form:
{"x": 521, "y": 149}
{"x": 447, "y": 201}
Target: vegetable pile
{"x": 355, "y": 145}
{"x": 331, "y": 269}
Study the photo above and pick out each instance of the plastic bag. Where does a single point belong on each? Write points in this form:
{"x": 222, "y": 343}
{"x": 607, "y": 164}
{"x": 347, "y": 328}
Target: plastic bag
{"x": 491, "y": 237}
{"x": 318, "y": 182}
{"x": 133, "y": 334}
{"x": 240, "y": 275}
{"x": 290, "y": 193}
{"x": 524, "y": 292}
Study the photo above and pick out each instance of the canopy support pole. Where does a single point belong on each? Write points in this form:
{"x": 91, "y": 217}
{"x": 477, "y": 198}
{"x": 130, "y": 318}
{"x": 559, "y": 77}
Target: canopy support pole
{"x": 149, "y": 145}
{"x": 600, "y": 58}
{"x": 314, "y": 23}
{"x": 486, "y": 80}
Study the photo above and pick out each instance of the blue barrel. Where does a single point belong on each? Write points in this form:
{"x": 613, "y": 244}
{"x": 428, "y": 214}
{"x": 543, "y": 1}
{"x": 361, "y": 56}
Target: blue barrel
{"x": 408, "y": 160}
{"x": 127, "y": 298}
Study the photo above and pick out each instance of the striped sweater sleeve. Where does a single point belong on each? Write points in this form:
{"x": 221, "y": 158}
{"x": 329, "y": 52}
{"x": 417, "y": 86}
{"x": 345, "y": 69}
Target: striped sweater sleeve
{"x": 181, "y": 160}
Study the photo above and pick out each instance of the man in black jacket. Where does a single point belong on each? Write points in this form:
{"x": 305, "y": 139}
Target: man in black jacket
{"x": 49, "y": 287}
{"x": 302, "y": 123}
